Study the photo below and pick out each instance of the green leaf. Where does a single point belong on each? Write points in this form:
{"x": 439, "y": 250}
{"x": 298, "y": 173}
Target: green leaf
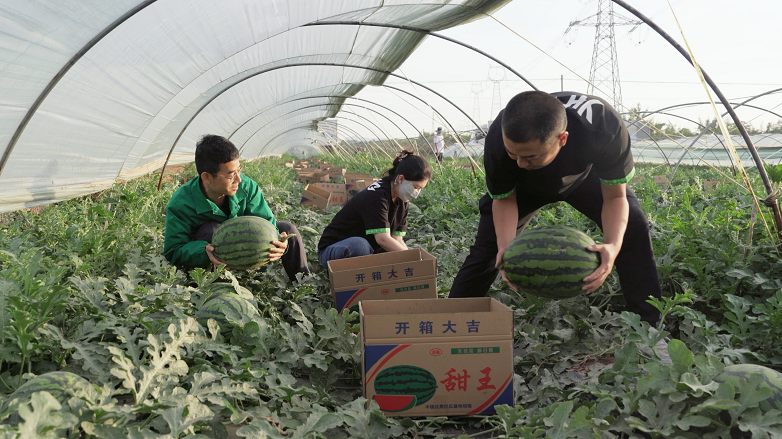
{"x": 6, "y": 287}
{"x": 754, "y": 391}
{"x": 564, "y": 426}
{"x": 205, "y": 389}
{"x": 679, "y": 353}
{"x": 739, "y": 274}
{"x": 660, "y": 414}
{"x": 94, "y": 357}
{"x": 183, "y": 418}
{"x": 656, "y": 379}
{"x": 45, "y": 419}
{"x": 693, "y": 421}
{"x": 509, "y": 416}
{"x": 163, "y": 363}
{"x": 318, "y": 421}
{"x": 689, "y": 381}
{"x": 716, "y": 404}
{"x": 762, "y": 425}
{"x": 708, "y": 366}
{"x": 104, "y": 431}
{"x": 725, "y": 391}
{"x": 92, "y": 291}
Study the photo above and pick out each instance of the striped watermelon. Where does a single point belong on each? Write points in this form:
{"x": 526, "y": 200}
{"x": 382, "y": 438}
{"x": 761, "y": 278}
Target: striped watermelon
{"x": 406, "y": 380}
{"x": 550, "y": 262}
{"x": 739, "y": 374}
{"x": 60, "y": 385}
{"x": 244, "y": 242}
{"x": 224, "y": 306}
{"x": 220, "y": 288}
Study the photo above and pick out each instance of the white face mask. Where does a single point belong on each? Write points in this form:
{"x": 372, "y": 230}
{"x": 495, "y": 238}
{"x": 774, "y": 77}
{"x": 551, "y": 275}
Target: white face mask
{"x": 407, "y": 192}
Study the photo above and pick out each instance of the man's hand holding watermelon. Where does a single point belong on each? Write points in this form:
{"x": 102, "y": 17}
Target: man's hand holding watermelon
{"x": 614, "y": 215}
{"x": 279, "y": 248}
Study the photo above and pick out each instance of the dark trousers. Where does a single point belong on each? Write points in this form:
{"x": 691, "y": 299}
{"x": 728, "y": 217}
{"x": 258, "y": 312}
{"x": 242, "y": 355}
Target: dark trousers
{"x": 634, "y": 264}
{"x": 295, "y": 258}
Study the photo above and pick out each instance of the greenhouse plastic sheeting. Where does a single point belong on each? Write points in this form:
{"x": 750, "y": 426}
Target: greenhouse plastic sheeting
{"x": 148, "y": 78}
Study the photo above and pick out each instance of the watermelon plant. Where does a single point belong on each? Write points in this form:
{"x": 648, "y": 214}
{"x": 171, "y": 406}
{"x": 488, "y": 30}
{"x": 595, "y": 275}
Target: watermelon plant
{"x": 84, "y": 290}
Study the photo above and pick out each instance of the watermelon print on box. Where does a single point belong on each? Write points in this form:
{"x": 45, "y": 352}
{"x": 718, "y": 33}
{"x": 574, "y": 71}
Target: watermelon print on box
{"x": 459, "y": 384}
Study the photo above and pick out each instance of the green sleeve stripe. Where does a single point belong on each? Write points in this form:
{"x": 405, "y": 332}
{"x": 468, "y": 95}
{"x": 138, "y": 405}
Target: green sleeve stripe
{"x": 620, "y": 180}
{"x": 400, "y": 233}
{"x": 373, "y": 231}
{"x": 498, "y": 197}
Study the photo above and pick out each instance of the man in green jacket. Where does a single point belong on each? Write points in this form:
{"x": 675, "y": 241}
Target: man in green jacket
{"x": 218, "y": 193}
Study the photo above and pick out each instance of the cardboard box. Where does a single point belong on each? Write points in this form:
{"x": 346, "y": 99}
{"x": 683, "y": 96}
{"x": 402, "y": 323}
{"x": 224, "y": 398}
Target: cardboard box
{"x": 358, "y": 186}
{"x": 352, "y": 177}
{"x": 338, "y": 193}
{"x": 409, "y": 274}
{"x": 463, "y": 348}
{"x": 313, "y": 177}
{"x": 315, "y": 198}
{"x": 337, "y": 172}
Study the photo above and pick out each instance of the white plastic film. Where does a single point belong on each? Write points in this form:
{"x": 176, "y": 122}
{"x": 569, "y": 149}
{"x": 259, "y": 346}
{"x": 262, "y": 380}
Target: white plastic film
{"x": 169, "y": 71}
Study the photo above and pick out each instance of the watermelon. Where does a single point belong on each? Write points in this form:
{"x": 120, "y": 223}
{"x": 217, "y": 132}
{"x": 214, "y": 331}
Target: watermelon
{"x": 60, "y": 385}
{"x": 395, "y": 403}
{"x": 220, "y": 288}
{"x": 739, "y": 374}
{"x": 550, "y": 262}
{"x": 226, "y": 304}
{"x": 244, "y": 242}
{"x": 408, "y": 381}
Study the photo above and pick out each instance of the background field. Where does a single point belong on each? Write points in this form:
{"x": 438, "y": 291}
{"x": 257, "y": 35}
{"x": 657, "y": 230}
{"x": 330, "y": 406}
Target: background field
{"x": 83, "y": 288}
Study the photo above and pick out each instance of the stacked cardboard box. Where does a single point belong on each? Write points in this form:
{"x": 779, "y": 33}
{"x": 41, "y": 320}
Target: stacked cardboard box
{"x": 337, "y": 172}
{"x": 338, "y": 194}
{"x": 456, "y": 355}
{"x": 315, "y": 198}
{"x": 409, "y": 274}
{"x": 308, "y": 176}
{"x": 355, "y": 182}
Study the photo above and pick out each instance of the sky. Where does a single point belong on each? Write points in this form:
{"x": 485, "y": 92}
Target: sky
{"x": 736, "y": 43}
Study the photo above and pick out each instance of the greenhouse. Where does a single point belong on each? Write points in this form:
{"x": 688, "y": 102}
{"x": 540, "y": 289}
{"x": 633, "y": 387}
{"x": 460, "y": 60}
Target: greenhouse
{"x": 288, "y": 219}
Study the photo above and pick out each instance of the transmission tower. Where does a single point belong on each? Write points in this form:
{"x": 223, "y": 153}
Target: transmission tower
{"x": 604, "y": 73}
{"x": 496, "y": 75}
{"x": 476, "y": 90}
